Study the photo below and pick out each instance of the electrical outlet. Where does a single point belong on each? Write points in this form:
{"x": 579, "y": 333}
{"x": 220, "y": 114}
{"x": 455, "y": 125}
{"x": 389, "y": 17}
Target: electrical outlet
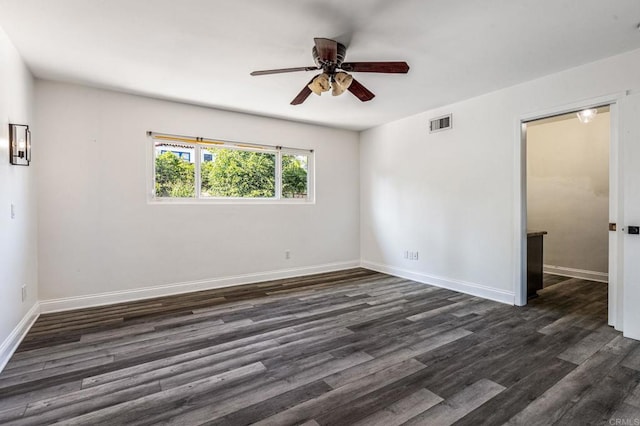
{"x": 287, "y": 254}
{"x": 24, "y": 293}
{"x": 410, "y": 255}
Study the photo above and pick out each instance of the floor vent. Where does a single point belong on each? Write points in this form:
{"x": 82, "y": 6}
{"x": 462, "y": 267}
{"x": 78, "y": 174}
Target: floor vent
{"x": 441, "y": 123}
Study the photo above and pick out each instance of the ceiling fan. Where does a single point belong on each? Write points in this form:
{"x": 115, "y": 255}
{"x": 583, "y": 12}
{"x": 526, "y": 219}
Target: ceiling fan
{"x": 329, "y": 56}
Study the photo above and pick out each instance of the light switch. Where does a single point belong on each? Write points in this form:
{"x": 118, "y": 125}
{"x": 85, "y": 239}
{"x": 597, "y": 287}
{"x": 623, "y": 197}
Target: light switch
{"x": 13, "y": 211}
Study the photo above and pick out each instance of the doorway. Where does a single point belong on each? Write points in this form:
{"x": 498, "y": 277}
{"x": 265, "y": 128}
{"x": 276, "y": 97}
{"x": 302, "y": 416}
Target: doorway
{"x": 569, "y": 190}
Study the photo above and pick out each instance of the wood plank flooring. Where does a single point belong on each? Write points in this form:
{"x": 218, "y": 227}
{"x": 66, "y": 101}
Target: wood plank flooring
{"x": 353, "y": 347}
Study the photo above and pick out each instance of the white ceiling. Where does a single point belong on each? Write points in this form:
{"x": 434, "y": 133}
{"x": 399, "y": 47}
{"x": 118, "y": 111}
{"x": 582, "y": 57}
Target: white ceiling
{"x": 201, "y": 51}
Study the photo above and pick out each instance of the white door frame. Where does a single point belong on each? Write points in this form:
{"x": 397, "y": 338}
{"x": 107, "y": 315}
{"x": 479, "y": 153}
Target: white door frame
{"x": 615, "y": 200}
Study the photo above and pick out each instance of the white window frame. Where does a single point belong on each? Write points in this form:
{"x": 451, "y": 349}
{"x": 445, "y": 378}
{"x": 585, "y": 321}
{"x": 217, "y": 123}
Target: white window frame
{"x": 198, "y": 143}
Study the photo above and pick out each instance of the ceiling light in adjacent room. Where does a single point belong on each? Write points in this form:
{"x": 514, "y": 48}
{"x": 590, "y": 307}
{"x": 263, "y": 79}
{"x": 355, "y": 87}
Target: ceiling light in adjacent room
{"x": 587, "y": 115}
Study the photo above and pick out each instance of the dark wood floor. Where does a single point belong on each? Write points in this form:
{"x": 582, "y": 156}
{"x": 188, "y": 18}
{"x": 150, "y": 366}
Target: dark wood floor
{"x": 551, "y": 279}
{"x": 354, "y": 347}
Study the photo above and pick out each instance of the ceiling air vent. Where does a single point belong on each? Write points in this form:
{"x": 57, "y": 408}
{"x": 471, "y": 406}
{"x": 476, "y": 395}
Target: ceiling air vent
{"x": 441, "y": 123}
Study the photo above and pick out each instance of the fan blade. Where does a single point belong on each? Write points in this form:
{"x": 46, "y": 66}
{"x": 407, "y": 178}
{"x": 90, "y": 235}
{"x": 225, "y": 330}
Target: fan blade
{"x": 303, "y": 95}
{"x": 327, "y": 49}
{"x": 384, "y": 67}
{"x": 283, "y": 70}
{"x": 360, "y": 91}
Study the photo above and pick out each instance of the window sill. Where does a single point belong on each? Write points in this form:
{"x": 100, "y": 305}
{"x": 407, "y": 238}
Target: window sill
{"x": 228, "y": 201}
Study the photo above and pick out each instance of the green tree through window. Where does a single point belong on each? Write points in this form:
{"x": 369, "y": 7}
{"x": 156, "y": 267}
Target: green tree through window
{"x": 241, "y": 174}
{"x": 186, "y": 170}
{"x": 294, "y": 176}
{"x": 175, "y": 177}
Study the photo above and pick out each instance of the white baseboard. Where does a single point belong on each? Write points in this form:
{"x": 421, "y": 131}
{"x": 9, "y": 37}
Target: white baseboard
{"x": 473, "y": 289}
{"x": 91, "y": 300}
{"x": 12, "y": 341}
{"x": 602, "y": 277}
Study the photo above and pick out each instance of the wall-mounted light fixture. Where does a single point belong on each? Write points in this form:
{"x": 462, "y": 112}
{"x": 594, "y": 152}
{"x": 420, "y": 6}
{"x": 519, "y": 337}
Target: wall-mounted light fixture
{"x": 19, "y": 144}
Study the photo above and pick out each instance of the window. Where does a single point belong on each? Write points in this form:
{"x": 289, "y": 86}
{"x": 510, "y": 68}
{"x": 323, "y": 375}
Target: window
{"x": 295, "y": 170}
{"x": 174, "y": 174}
{"x": 197, "y": 169}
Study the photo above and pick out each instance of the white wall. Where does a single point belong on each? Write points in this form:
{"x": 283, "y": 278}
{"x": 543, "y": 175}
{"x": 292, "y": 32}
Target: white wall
{"x": 98, "y": 234}
{"x": 18, "y": 248}
{"x": 568, "y": 192}
{"x": 453, "y": 196}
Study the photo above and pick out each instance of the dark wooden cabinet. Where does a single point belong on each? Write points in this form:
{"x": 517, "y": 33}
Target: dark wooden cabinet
{"x": 534, "y": 262}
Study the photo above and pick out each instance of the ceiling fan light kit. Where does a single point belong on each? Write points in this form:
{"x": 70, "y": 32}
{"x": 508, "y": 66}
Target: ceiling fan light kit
{"x": 341, "y": 82}
{"x": 321, "y": 83}
{"x": 329, "y": 56}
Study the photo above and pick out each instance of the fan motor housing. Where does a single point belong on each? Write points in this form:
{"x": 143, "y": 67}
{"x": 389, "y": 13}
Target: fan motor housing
{"x": 340, "y": 55}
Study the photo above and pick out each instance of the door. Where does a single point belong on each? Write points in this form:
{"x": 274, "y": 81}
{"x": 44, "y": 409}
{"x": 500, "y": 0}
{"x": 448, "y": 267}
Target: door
{"x": 629, "y": 297}
{"x": 614, "y": 260}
